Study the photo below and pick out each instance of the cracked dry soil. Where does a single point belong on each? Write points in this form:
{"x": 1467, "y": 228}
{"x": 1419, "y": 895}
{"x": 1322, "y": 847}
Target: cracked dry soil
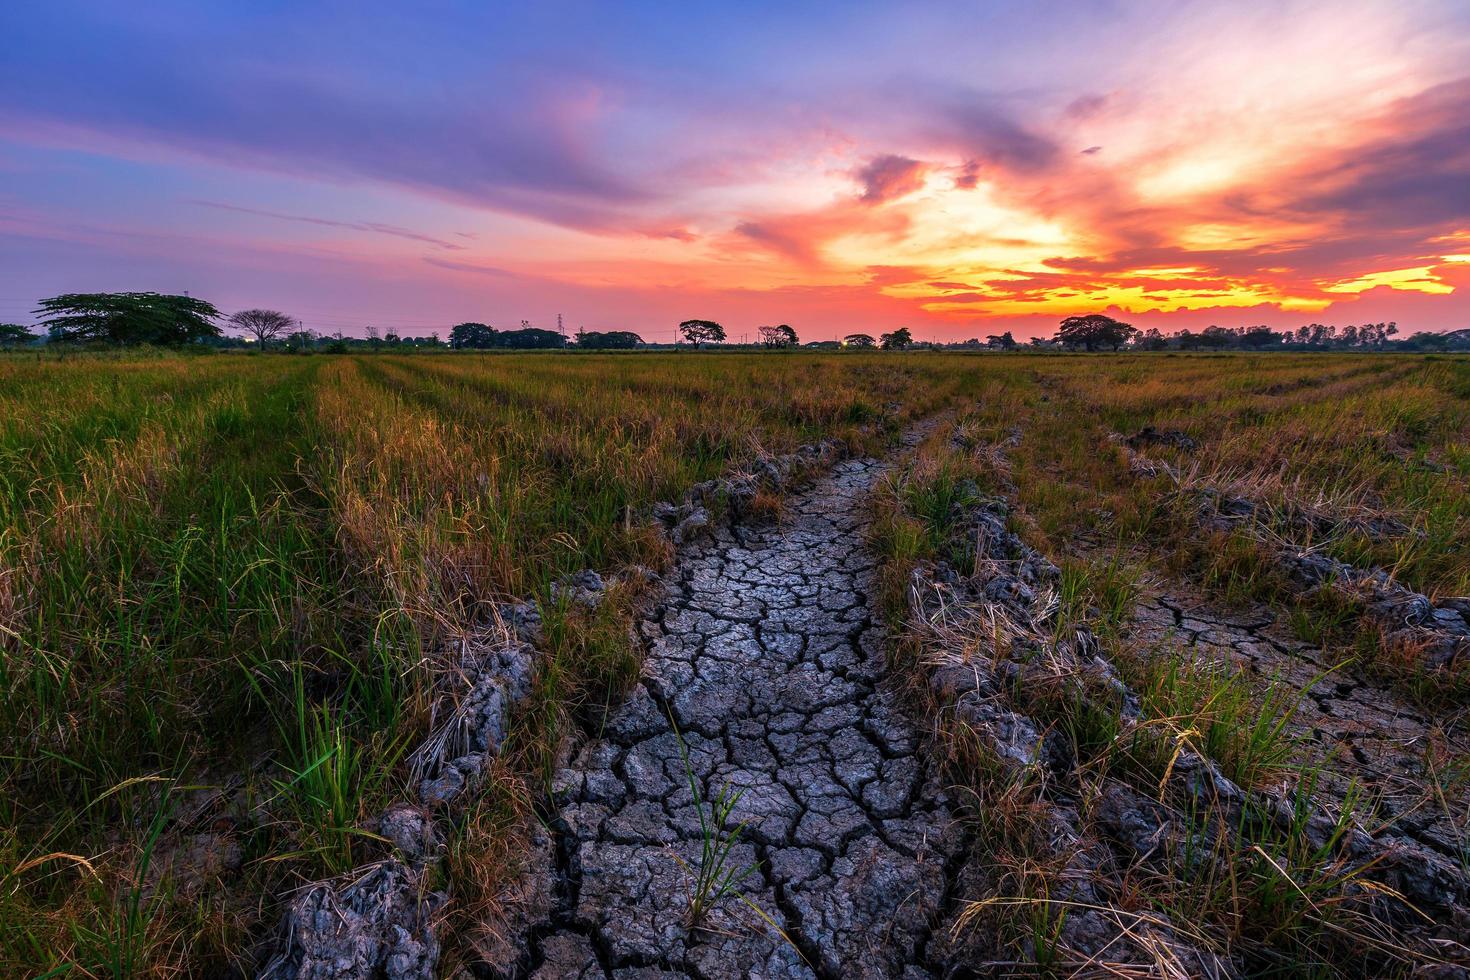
{"x": 1370, "y": 734}
{"x": 766, "y": 652}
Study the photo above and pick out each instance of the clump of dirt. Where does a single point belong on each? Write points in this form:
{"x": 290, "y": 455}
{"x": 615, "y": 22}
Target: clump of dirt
{"x": 733, "y": 495}
{"x": 1173, "y": 438}
{"x": 376, "y": 922}
{"x": 1438, "y": 632}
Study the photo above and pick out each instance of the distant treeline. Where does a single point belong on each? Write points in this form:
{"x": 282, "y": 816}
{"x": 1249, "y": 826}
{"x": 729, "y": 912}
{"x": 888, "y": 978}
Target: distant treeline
{"x": 137, "y": 319}
{"x": 1098, "y": 332}
{"x": 480, "y": 336}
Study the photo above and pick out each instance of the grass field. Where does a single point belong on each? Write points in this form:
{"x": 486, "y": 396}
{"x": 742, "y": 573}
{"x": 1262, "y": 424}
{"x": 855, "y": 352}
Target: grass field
{"x": 1359, "y": 458}
{"x": 222, "y": 571}
{"x": 226, "y": 582}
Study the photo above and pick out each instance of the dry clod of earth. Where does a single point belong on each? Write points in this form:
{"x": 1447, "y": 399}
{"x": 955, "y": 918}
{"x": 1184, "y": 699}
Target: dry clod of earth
{"x": 764, "y": 668}
{"x": 1150, "y": 436}
{"x": 1438, "y": 631}
{"x": 691, "y": 517}
{"x": 375, "y": 923}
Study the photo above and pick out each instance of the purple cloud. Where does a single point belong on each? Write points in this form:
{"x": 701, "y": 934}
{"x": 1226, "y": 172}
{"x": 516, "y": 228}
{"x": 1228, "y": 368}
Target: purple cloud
{"x": 890, "y": 176}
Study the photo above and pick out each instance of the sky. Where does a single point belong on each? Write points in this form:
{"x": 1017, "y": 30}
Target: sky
{"x": 957, "y": 168}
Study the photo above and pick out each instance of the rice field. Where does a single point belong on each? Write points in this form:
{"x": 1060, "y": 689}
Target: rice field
{"x": 227, "y": 582}
{"x": 1109, "y": 553}
{"x": 217, "y": 572}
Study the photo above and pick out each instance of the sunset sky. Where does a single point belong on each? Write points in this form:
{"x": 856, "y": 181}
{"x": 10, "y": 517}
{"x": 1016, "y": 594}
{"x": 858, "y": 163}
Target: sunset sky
{"x": 958, "y": 168}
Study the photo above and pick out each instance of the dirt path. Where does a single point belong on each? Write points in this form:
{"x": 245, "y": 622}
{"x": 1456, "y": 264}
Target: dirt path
{"x": 767, "y": 654}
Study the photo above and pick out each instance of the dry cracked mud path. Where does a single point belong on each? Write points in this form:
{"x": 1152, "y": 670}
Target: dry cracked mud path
{"x": 766, "y": 653}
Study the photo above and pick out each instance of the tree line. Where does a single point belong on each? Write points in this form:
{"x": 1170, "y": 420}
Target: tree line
{"x": 134, "y": 319}
{"x": 1095, "y": 331}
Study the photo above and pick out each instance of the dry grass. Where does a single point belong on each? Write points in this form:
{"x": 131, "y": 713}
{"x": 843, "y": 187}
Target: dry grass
{"x": 1233, "y": 884}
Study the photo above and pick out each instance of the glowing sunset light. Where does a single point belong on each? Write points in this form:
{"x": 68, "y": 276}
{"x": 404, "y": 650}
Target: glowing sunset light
{"x": 1421, "y": 280}
{"x": 631, "y": 166}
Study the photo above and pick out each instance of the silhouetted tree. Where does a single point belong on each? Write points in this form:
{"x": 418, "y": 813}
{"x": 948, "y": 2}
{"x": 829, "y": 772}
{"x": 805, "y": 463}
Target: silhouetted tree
{"x": 13, "y": 334}
{"x": 859, "y": 340}
{"x": 1002, "y": 341}
{"x": 1151, "y": 339}
{"x": 301, "y": 341}
{"x": 530, "y": 338}
{"x": 897, "y": 340}
{"x": 264, "y": 325}
{"x": 1093, "y": 331}
{"x": 782, "y": 336}
{"x": 1376, "y": 334}
{"x": 471, "y": 336}
{"x": 1216, "y": 337}
{"x": 1258, "y": 337}
{"x": 128, "y": 318}
{"x": 608, "y": 340}
{"x": 699, "y": 332}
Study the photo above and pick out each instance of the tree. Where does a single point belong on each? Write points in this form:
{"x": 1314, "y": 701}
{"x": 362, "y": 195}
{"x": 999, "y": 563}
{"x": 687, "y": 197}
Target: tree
{"x": 12, "y": 334}
{"x": 1152, "y": 339}
{"x": 128, "y": 318}
{"x": 301, "y": 341}
{"x": 897, "y": 340}
{"x": 1217, "y": 337}
{"x": 264, "y": 325}
{"x": 471, "y": 336}
{"x": 1262, "y": 336}
{"x": 530, "y": 338}
{"x": 1376, "y": 334}
{"x": 859, "y": 340}
{"x": 1424, "y": 340}
{"x": 1003, "y": 341}
{"x": 1094, "y": 330}
{"x": 699, "y": 332}
{"x": 608, "y": 340}
{"x": 782, "y": 336}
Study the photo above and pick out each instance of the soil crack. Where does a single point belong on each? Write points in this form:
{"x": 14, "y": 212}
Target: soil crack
{"x": 767, "y": 656}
